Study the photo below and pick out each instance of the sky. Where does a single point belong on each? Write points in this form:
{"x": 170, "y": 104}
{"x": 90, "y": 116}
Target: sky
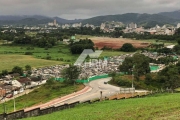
{"x": 81, "y": 9}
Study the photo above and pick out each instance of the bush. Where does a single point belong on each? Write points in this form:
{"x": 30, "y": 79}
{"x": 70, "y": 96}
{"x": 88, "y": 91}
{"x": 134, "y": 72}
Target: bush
{"x": 61, "y": 59}
{"x": 128, "y": 47}
{"x": 46, "y": 48}
{"x": 48, "y": 57}
{"x": 28, "y": 53}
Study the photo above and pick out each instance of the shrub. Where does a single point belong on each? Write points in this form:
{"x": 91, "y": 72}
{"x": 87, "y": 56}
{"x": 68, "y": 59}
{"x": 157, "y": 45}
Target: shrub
{"x": 28, "y": 53}
{"x": 48, "y": 57}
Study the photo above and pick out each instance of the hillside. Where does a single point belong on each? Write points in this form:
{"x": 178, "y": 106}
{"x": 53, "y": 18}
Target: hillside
{"x": 174, "y": 14}
{"x": 161, "y": 106}
{"x": 140, "y": 19}
{"x": 32, "y": 20}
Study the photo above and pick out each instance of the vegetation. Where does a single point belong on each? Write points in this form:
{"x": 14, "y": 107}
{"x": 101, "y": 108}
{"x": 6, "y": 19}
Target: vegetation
{"x": 52, "y": 89}
{"x": 9, "y": 61}
{"x": 71, "y": 74}
{"x": 160, "y": 106}
{"x": 128, "y": 47}
{"x": 138, "y": 64}
{"x": 78, "y": 47}
{"x": 147, "y": 36}
{"x": 17, "y": 69}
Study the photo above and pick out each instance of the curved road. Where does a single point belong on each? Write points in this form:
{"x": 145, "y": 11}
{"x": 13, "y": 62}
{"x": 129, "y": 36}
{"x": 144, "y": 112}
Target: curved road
{"x": 90, "y": 92}
{"x": 97, "y": 86}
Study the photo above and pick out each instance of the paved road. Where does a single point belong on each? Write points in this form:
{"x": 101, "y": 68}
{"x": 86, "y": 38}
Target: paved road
{"x": 90, "y": 92}
{"x": 97, "y": 86}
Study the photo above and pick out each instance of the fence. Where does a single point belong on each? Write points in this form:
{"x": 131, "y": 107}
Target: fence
{"x": 127, "y": 90}
{"x": 37, "y": 112}
{"x": 86, "y": 80}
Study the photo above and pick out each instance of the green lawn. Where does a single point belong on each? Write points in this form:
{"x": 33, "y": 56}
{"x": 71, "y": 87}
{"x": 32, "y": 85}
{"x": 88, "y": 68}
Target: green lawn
{"x": 40, "y": 95}
{"x": 110, "y": 53}
{"x": 14, "y": 55}
{"x": 57, "y": 52}
{"x": 83, "y": 36}
{"x": 9, "y": 61}
{"x": 158, "y": 107}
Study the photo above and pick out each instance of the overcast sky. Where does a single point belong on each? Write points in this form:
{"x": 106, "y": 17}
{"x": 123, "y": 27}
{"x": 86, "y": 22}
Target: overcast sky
{"x": 75, "y": 9}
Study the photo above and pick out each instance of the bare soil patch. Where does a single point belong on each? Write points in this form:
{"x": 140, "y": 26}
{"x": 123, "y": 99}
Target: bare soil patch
{"x": 116, "y": 43}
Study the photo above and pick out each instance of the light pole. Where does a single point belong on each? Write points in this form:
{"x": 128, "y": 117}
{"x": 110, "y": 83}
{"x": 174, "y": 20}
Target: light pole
{"x": 132, "y": 79}
{"x": 14, "y": 103}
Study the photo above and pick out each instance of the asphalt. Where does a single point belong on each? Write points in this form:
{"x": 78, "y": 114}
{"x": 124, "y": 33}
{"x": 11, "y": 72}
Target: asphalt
{"x": 93, "y": 90}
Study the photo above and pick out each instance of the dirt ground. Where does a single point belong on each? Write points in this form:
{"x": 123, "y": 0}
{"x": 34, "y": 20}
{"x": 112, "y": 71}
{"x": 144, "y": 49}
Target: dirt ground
{"x": 116, "y": 43}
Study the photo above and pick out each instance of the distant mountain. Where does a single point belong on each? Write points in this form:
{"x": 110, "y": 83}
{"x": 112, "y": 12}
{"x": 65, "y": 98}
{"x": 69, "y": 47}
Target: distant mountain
{"x": 64, "y": 21}
{"x": 174, "y": 14}
{"x": 147, "y": 20}
{"x": 140, "y": 19}
{"x": 32, "y": 20}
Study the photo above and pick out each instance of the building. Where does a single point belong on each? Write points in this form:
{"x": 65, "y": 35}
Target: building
{"x": 54, "y": 23}
{"x": 132, "y": 25}
{"x": 178, "y": 25}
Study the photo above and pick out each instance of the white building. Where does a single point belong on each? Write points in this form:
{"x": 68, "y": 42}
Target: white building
{"x": 132, "y": 25}
{"x": 178, "y": 25}
{"x": 102, "y": 26}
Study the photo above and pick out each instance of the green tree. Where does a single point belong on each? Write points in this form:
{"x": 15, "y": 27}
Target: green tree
{"x": 28, "y": 68}
{"x": 148, "y": 79}
{"x": 138, "y": 63}
{"x": 4, "y": 72}
{"x": 17, "y": 69}
{"x": 127, "y": 47}
{"x": 127, "y": 65}
{"x": 113, "y": 75}
{"x": 70, "y": 74}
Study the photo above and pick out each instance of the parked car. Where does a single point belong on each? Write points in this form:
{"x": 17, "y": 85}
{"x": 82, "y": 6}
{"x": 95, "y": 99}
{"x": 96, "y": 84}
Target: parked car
{"x": 105, "y": 83}
{"x": 9, "y": 95}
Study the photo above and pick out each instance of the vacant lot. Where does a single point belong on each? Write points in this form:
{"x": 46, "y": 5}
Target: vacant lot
{"x": 116, "y": 43}
{"x": 158, "y": 107}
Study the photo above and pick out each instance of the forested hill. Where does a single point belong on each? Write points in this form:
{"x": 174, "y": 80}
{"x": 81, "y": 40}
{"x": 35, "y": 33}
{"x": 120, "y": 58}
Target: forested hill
{"x": 140, "y": 19}
{"x": 149, "y": 20}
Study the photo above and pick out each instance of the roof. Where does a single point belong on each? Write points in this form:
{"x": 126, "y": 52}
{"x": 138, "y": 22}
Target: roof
{"x": 73, "y": 37}
{"x": 35, "y": 78}
{"x": 170, "y": 46}
{"x": 16, "y": 83}
{"x": 24, "y": 80}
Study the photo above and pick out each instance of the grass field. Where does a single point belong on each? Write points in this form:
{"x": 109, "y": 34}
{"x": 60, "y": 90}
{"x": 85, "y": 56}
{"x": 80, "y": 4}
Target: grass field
{"x": 14, "y": 56}
{"x": 40, "y": 95}
{"x": 83, "y": 36}
{"x": 9, "y": 61}
{"x": 110, "y": 53}
{"x": 158, "y": 107}
{"x": 57, "y": 52}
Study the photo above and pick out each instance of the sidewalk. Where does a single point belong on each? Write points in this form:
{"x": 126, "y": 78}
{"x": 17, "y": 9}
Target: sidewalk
{"x": 59, "y": 100}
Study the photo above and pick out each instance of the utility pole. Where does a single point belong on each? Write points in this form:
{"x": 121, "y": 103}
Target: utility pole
{"x": 101, "y": 95}
{"x": 132, "y": 79}
{"x": 14, "y": 103}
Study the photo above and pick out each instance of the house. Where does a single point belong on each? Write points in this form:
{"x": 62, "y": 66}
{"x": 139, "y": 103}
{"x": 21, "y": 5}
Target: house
{"x": 36, "y": 79}
{"x": 16, "y": 83}
{"x": 24, "y": 81}
{"x": 15, "y": 75}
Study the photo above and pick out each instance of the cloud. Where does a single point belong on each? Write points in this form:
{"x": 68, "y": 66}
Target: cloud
{"x": 71, "y": 9}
